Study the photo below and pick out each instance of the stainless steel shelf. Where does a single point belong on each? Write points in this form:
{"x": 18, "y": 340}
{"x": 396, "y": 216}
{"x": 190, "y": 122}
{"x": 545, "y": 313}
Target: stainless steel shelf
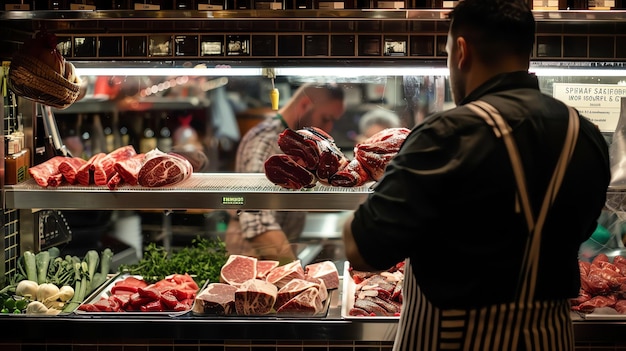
{"x": 250, "y": 191}
{"x": 349, "y": 14}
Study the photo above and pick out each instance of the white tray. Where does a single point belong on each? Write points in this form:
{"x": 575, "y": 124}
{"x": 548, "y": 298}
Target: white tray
{"x": 347, "y": 298}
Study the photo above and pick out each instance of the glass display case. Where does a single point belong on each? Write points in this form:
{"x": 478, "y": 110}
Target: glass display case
{"x": 163, "y": 78}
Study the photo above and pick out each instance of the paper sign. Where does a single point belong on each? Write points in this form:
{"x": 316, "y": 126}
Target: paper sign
{"x": 600, "y": 103}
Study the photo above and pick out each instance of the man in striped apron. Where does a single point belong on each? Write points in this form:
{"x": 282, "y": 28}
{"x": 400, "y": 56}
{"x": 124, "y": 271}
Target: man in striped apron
{"x": 487, "y": 202}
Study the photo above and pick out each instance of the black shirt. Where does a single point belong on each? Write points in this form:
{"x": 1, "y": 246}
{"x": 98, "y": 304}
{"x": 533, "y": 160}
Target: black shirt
{"x": 448, "y": 199}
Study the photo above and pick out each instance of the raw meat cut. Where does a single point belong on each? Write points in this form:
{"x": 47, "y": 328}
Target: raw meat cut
{"x": 69, "y": 167}
{"x": 238, "y": 269}
{"x": 255, "y": 297}
{"x": 331, "y": 159}
{"x": 129, "y": 168}
{"x": 378, "y": 294}
{"x": 375, "y": 152}
{"x": 281, "y": 275}
{"x": 114, "y": 181}
{"x": 55, "y": 180}
{"x": 322, "y": 285}
{"x": 43, "y": 171}
{"x": 292, "y": 289}
{"x": 84, "y": 175}
{"x": 307, "y": 302}
{"x": 302, "y": 149}
{"x": 216, "y": 298}
{"x": 162, "y": 169}
{"x": 263, "y": 267}
{"x": 284, "y": 171}
{"x": 102, "y": 167}
{"x": 352, "y": 175}
{"x": 325, "y": 270}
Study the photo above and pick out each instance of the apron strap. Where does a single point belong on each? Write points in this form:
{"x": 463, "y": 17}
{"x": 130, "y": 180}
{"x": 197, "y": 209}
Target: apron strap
{"x": 492, "y": 116}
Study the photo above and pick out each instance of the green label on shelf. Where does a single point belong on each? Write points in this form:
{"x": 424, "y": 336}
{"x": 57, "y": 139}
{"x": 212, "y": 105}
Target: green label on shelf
{"x": 233, "y": 200}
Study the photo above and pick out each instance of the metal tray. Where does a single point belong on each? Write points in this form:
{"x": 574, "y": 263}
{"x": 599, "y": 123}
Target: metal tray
{"x": 105, "y": 292}
{"x": 272, "y": 315}
{"x": 347, "y": 298}
{"x": 603, "y": 313}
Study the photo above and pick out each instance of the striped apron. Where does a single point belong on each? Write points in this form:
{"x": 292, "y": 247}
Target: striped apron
{"x": 521, "y": 325}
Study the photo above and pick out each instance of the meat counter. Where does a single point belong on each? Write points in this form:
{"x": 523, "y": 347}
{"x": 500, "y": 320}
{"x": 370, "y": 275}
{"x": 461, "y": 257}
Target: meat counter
{"x": 139, "y": 65}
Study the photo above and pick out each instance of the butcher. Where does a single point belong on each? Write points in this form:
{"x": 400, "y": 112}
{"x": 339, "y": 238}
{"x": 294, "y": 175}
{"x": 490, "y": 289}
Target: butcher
{"x": 487, "y": 202}
{"x": 267, "y": 234}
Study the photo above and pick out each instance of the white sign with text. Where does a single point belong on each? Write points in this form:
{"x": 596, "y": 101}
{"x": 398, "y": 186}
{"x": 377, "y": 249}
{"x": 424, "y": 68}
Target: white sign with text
{"x": 600, "y": 103}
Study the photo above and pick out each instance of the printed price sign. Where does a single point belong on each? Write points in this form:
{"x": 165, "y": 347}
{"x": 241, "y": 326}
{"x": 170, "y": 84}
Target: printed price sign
{"x": 600, "y": 103}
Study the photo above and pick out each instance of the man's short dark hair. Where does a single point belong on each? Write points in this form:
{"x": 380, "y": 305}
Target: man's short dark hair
{"x": 495, "y": 27}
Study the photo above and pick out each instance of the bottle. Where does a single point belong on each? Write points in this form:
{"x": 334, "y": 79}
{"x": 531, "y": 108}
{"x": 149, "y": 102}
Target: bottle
{"x": 164, "y": 139}
{"x": 148, "y": 141}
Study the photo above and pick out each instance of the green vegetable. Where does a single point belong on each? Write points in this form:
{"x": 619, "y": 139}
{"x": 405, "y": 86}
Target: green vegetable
{"x": 42, "y": 259}
{"x": 203, "y": 261}
{"x": 106, "y": 257}
{"x": 79, "y": 295}
{"x": 54, "y": 252}
{"x": 30, "y": 264}
{"x": 93, "y": 259}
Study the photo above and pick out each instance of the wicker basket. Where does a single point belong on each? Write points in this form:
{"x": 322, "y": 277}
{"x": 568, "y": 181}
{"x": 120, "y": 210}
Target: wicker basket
{"x": 33, "y": 79}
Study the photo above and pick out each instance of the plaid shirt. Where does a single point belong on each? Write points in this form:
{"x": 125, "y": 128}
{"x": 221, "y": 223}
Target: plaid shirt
{"x": 258, "y": 145}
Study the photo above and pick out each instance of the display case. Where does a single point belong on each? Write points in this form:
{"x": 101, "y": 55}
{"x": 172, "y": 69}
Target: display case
{"x": 149, "y": 69}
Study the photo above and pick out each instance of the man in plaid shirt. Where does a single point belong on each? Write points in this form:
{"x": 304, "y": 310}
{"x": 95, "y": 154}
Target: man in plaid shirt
{"x": 267, "y": 234}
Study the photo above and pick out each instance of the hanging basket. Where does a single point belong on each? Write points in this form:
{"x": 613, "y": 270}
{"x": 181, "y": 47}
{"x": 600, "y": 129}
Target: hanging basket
{"x": 35, "y": 80}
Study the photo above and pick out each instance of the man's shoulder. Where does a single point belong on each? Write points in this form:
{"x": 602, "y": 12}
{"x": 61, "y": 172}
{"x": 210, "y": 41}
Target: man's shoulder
{"x": 264, "y": 129}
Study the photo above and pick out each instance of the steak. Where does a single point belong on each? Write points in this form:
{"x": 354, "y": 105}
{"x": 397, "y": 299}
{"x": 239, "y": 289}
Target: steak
{"x": 255, "y": 297}
{"x": 238, "y": 269}
{"x": 102, "y": 167}
{"x": 307, "y": 302}
{"x": 162, "y": 169}
{"x": 114, "y": 181}
{"x": 43, "y": 171}
{"x": 375, "y": 152}
{"x": 216, "y": 298}
{"x": 292, "y": 289}
{"x": 325, "y": 270}
{"x": 263, "y": 267}
{"x": 129, "y": 168}
{"x": 281, "y": 275}
{"x": 69, "y": 167}
{"x": 284, "y": 171}
{"x": 84, "y": 175}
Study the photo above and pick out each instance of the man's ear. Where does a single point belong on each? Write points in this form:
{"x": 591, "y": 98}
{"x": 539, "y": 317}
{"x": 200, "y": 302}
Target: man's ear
{"x": 464, "y": 59}
{"x": 305, "y": 103}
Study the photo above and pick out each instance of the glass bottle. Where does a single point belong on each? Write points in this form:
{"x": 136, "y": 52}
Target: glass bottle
{"x": 164, "y": 139}
{"x": 148, "y": 141}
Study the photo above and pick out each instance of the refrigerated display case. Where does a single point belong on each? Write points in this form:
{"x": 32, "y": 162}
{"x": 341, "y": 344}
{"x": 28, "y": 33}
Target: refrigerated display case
{"x": 138, "y": 65}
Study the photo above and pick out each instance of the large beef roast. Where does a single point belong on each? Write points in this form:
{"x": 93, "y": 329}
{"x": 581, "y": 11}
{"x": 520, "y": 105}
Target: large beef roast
{"x": 69, "y": 168}
{"x": 163, "y": 169}
{"x": 255, "y": 297}
{"x": 285, "y": 171}
{"x": 301, "y": 148}
{"x": 375, "y": 152}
